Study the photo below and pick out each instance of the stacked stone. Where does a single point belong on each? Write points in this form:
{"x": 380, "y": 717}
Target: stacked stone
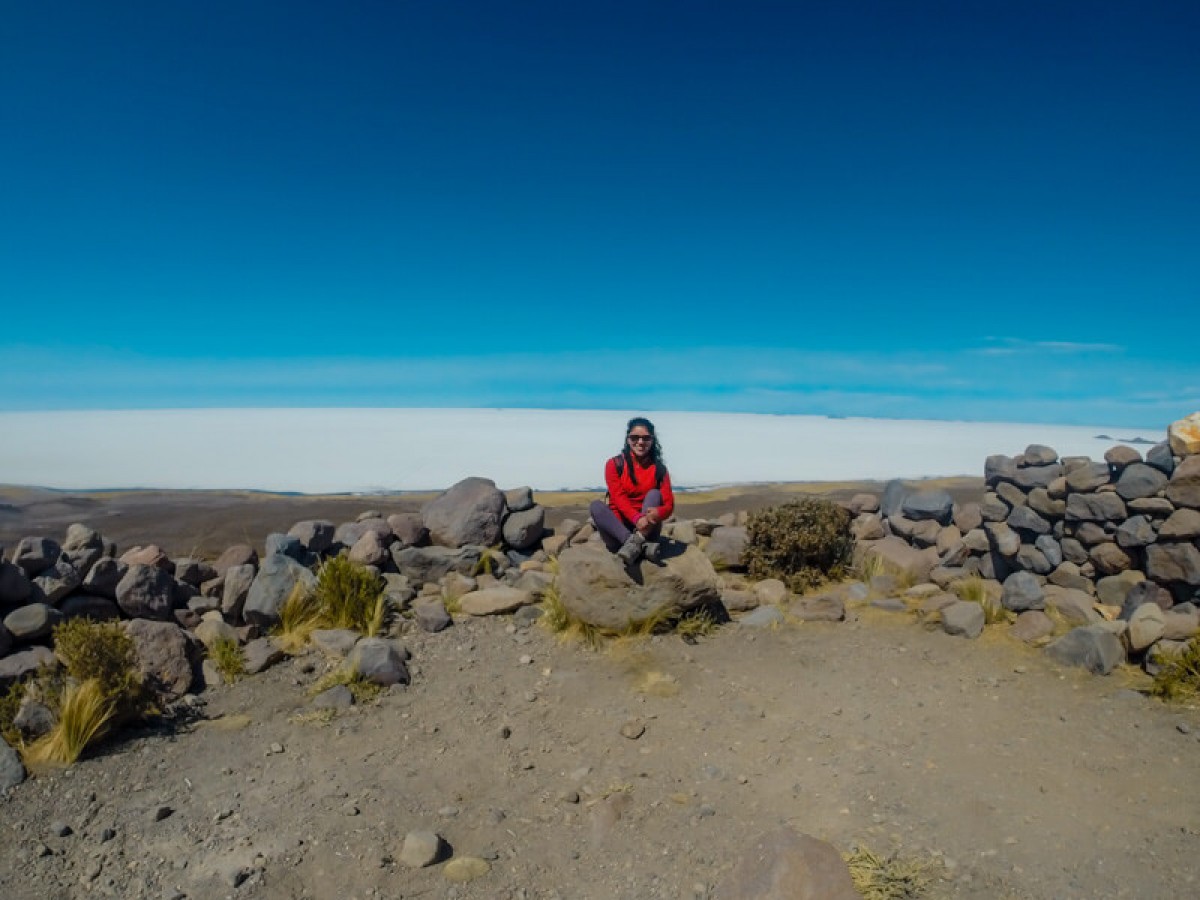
{"x": 43, "y": 582}
{"x": 1112, "y": 546}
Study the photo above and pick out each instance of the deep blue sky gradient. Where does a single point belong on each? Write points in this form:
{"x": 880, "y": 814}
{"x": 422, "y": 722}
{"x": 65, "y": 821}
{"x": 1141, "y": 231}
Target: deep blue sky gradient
{"x": 958, "y": 209}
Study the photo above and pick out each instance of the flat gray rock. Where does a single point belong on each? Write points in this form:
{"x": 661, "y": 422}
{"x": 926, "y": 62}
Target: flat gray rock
{"x": 763, "y": 617}
{"x": 32, "y": 622}
{"x": 927, "y": 505}
{"x": 597, "y": 589}
{"x": 963, "y": 619}
{"x": 1140, "y": 480}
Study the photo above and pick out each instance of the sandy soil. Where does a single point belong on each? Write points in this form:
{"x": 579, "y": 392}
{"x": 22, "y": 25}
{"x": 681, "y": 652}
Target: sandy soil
{"x": 1025, "y": 779}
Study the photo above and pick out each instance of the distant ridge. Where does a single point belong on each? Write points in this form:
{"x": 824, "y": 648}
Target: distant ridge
{"x": 1133, "y": 440}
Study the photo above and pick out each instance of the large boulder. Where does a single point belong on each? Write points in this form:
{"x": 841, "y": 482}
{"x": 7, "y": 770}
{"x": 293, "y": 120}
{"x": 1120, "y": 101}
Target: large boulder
{"x": 597, "y": 589}
{"x": 146, "y": 592}
{"x": 275, "y": 580}
{"x": 1184, "y": 487}
{"x": 523, "y": 528}
{"x": 468, "y": 513}
{"x": 1184, "y": 435}
{"x": 787, "y": 864}
{"x": 1094, "y": 647}
{"x": 167, "y": 656}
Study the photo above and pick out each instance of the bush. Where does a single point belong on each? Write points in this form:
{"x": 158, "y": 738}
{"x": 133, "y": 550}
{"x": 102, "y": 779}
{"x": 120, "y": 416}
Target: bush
{"x": 802, "y": 543}
{"x": 104, "y": 652}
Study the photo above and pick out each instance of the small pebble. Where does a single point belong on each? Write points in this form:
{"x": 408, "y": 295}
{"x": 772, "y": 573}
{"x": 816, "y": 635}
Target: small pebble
{"x": 526, "y": 659}
{"x": 161, "y": 812}
{"x": 277, "y": 748}
{"x": 107, "y": 835}
{"x": 60, "y": 829}
{"x": 633, "y": 730}
{"x": 1183, "y": 728}
{"x": 505, "y": 732}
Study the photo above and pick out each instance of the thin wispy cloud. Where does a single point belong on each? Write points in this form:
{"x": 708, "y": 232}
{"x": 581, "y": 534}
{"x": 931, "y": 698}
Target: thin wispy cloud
{"x": 1067, "y": 388}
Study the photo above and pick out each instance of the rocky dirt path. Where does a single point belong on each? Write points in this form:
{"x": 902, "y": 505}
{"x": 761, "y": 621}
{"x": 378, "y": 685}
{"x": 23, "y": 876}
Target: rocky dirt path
{"x": 642, "y": 771}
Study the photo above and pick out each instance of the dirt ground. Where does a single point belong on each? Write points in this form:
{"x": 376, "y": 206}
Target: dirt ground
{"x": 1025, "y": 780}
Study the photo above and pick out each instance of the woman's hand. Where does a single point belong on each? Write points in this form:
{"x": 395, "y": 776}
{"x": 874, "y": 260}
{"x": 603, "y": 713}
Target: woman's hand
{"x": 647, "y": 522}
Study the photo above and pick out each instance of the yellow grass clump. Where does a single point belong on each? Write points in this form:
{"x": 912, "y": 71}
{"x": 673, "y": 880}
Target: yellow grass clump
{"x": 83, "y": 717}
{"x": 226, "y": 655}
{"x": 890, "y": 878}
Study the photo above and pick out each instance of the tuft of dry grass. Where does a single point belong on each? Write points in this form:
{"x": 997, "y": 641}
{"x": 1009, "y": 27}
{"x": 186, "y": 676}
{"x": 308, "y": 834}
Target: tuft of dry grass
{"x": 973, "y": 590}
{"x": 698, "y": 623}
{"x": 314, "y": 717}
{"x": 891, "y": 878}
{"x": 347, "y": 594}
{"x": 1179, "y": 679}
{"x": 83, "y": 717}
{"x": 299, "y": 617}
{"x": 363, "y": 690}
{"x": 227, "y": 656}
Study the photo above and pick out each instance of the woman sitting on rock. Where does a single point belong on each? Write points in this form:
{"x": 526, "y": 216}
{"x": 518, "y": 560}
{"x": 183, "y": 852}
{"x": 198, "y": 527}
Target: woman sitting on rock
{"x": 639, "y": 496}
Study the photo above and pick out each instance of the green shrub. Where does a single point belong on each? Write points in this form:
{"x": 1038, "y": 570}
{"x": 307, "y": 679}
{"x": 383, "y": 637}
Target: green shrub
{"x": 104, "y": 652}
{"x": 803, "y": 543}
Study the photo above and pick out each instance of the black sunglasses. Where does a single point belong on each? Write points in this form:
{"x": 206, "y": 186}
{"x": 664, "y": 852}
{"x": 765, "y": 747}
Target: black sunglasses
{"x": 641, "y": 437}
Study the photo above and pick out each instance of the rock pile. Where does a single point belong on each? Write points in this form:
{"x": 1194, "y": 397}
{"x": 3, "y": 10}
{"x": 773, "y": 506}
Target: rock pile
{"x": 1111, "y": 546}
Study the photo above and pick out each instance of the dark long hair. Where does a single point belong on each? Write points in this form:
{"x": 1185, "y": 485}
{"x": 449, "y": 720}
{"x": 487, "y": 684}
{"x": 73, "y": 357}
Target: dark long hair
{"x": 656, "y": 454}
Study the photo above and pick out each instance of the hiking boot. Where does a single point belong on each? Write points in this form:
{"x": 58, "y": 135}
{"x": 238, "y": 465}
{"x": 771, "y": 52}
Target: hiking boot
{"x": 652, "y": 552}
{"x": 632, "y": 548}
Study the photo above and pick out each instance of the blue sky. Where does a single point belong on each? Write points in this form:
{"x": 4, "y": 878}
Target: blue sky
{"x": 965, "y": 210}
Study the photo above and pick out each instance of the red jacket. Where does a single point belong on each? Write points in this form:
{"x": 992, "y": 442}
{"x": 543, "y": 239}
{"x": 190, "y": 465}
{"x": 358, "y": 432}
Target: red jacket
{"x": 627, "y": 491}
